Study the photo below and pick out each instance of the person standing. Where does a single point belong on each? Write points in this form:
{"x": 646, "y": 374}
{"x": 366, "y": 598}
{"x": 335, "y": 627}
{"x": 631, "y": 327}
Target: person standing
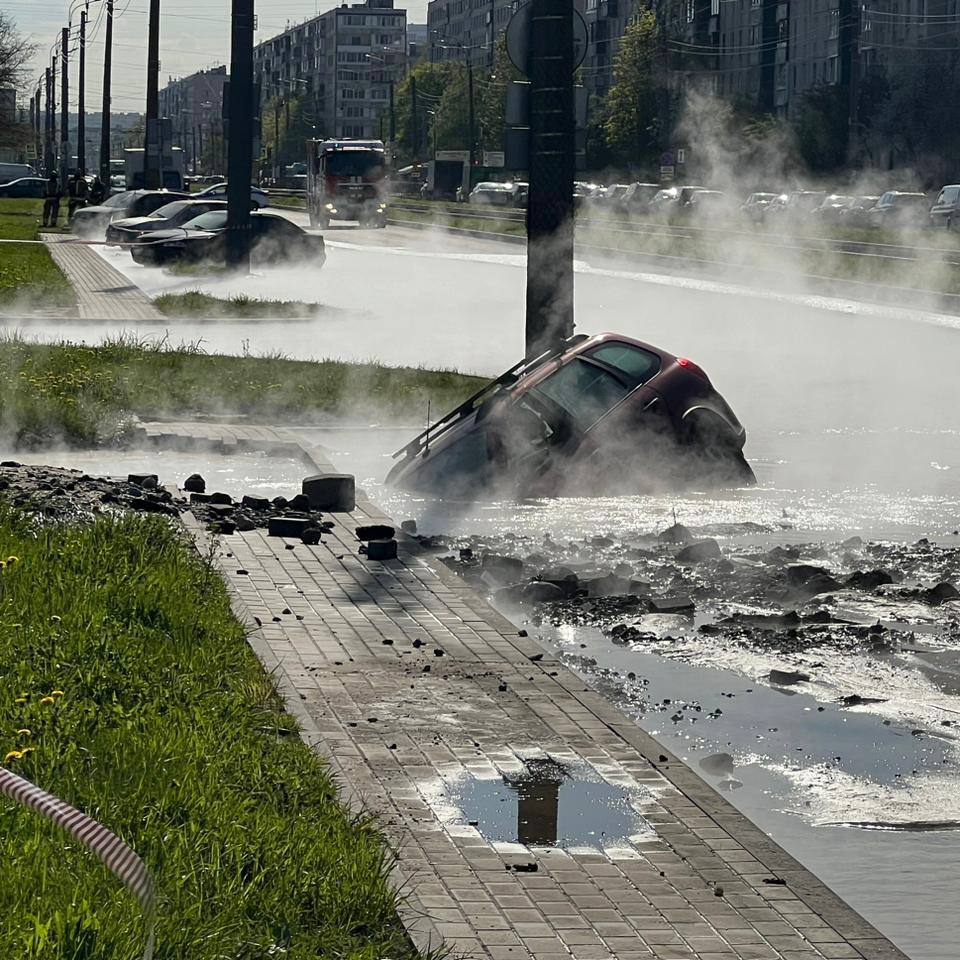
{"x": 51, "y": 201}
{"x": 78, "y": 194}
{"x": 98, "y": 192}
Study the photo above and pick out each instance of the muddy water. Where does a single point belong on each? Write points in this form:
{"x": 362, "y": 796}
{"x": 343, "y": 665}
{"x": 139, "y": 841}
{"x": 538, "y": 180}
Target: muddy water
{"x": 863, "y": 790}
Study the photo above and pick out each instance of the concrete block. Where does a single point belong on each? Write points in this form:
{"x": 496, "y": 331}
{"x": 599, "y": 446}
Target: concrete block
{"x": 375, "y": 531}
{"x": 287, "y": 526}
{"x": 334, "y": 492}
{"x": 382, "y": 550}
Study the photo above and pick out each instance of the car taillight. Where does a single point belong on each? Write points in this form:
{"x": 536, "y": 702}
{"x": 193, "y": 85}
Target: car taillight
{"x": 692, "y": 367}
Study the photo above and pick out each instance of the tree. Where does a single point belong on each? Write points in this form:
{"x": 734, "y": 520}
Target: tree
{"x": 822, "y": 128}
{"x": 491, "y": 97}
{"x": 630, "y": 108}
{"x": 431, "y": 82}
{"x": 15, "y": 52}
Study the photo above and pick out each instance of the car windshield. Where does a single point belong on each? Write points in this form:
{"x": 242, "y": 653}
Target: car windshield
{"x": 212, "y": 220}
{"x": 354, "y": 163}
{"x": 583, "y": 390}
{"x": 170, "y": 209}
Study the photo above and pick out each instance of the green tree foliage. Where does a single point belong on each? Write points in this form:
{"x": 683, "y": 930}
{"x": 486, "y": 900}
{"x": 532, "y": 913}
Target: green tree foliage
{"x": 491, "y": 97}
{"x": 630, "y": 109}
{"x": 822, "y": 128}
{"x": 431, "y": 82}
{"x": 287, "y": 124}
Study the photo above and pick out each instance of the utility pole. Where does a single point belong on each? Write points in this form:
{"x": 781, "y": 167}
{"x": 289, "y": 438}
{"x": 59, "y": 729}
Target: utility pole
{"x": 276, "y": 140}
{"x": 81, "y": 110}
{"x": 471, "y": 126}
{"x": 393, "y": 118}
{"x": 105, "y": 107}
{"x": 240, "y": 159}
{"x": 64, "y": 108}
{"x": 48, "y": 126}
{"x": 151, "y": 141}
{"x": 413, "y": 120}
{"x": 550, "y": 205}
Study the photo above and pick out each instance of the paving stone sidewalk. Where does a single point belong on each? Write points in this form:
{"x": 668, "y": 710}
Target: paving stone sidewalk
{"x": 410, "y": 684}
{"x": 103, "y": 292}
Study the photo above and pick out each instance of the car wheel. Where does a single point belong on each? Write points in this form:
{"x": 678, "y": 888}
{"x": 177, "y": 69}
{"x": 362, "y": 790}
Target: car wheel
{"x": 717, "y": 454}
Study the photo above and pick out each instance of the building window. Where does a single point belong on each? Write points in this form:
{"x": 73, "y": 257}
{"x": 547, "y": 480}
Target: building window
{"x": 691, "y": 10}
{"x": 834, "y": 24}
{"x": 714, "y": 8}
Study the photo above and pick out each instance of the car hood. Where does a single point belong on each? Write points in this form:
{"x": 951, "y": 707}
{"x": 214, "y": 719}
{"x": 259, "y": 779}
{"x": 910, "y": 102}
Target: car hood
{"x": 159, "y": 236}
{"x": 128, "y": 223}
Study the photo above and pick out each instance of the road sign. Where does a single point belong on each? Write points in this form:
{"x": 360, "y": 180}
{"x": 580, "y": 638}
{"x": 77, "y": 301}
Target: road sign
{"x": 666, "y": 158}
{"x": 493, "y": 158}
{"x": 460, "y": 156}
{"x": 518, "y": 34}
{"x": 667, "y": 171}
{"x": 681, "y": 155}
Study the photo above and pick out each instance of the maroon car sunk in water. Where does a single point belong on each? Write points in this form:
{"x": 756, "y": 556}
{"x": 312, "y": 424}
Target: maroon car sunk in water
{"x": 605, "y": 414}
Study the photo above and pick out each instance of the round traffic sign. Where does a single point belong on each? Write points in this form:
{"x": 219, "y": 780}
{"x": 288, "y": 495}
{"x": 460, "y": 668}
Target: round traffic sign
{"x": 666, "y": 159}
{"x": 518, "y": 38}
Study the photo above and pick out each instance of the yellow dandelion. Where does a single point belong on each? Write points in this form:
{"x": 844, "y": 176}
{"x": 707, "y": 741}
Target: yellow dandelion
{"x": 13, "y": 755}
{"x": 47, "y": 700}
{"x": 24, "y": 732}
{"x": 27, "y": 750}
{"x": 3, "y": 564}
{"x": 20, "y": 700}
{"x": 56, "y": 619}
{"x": 56, "y": 693}
{"x": 12, "y": 560}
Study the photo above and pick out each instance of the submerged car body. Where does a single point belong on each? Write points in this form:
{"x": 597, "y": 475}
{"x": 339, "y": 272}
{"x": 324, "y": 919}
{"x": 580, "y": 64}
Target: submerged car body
{"x": 605, "y": 413}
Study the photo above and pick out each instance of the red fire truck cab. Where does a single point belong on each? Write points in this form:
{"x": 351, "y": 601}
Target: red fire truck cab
{"x": 347, "y": 180}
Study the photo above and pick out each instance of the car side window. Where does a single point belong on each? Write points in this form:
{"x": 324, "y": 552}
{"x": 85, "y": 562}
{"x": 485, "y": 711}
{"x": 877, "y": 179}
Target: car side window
{"x": 636, "y": 363}
{"x": 584, "y": 390}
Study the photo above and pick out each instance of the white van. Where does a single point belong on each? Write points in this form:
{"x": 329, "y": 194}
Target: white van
{"x": 14, "y": 171}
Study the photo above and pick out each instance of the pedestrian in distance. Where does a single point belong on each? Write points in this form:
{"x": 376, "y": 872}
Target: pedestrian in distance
{"x": 98, "y": 192}
{"x": 51, "y": 201}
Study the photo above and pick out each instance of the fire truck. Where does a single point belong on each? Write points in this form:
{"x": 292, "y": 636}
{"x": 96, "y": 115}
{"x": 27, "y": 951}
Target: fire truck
{"x": 347, "y": 180}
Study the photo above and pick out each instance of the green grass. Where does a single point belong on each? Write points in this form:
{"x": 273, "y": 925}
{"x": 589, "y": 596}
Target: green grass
{"x": 196, "y": 304}
{"x": 85, "y": 395}
{"x": 29, "y": 279}
{"x": 297, "y": 203}
{"x": 170, "y": 733}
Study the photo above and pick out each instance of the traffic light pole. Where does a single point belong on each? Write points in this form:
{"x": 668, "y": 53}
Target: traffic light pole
{"x": 240, "y": 158}
{"x": 550, "y": 206}
{"x": 105, "y": 108}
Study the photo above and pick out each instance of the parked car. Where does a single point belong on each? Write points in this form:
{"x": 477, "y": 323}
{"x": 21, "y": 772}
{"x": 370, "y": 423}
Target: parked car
{"x": 603, "y": 412}
{"x": 638, "y": 196}
{"x": 857, "y": 213}
{"x": 614, "y": 194}
{"x": 15, "y": 171}
{"x": 831, "y": 209}
{"x": 258, "y": 198}
{"x": 170, "y": 215}
{"x": 705, "y": 204}
{"x": 492, "y": 194}
{"x": 87, "y": 221}
{"x": 521, "y": 193}
{"x": 794, "y": 206}
{"x": 754, "y": 206}
{"x": 945, "y": 211}
{"x": 32, "y": 187}
{"x": 900, "y": 210}
{"x": 663, "y": 202}
{"x": 203, "y": 240}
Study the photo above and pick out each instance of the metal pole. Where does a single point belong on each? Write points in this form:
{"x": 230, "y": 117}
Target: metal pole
{"x": 64, "y": 108}
{"x": 415, "y": 134}
{"x": 81, "y": 111}
{"x": 393, "y": 118}
{"x": 240, "y": 159}
{"x": 105, "y": 106}
{"x": 471, "y": 126}
{"x": 151, "y": 140}
{"x": 550, "y": 205}
{"x": 276, "y": 140}
{"x": 47, "y": 126}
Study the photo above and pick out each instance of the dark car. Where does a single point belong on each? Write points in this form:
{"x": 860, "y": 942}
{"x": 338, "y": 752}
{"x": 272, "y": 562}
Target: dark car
{"x": 857, "y": 214}
{"x": 130, "y": 203}
{"x": 900, "y": 210}
{"x": 946, "y": 208}
{"x": 169, "y": 216}
{"x": 273, "y": 239}
{"x": 637, "y": 197}
{"x": 32, "y": 187}
{"x": 832, "y": 208}
{"x": 754, "y": 206}
{"x": 258, "y": 197}
{"x": 604, "y": 413}
{"x": 794, "y": 206}
{"x": 706, "y": 205}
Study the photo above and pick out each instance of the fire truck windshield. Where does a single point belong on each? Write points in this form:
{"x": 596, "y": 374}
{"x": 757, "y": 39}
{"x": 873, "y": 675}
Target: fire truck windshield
{"x": 354, "y": 164}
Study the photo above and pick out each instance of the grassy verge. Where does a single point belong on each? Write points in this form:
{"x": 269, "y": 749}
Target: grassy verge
{"x": 83, "y": 395}
{"x": 169, "y": 732}
{"x": 29, "y": 279}
{"x": 447, "y": 218}
{"x": 196, "y": 304}
{"x": 296, "y": 203}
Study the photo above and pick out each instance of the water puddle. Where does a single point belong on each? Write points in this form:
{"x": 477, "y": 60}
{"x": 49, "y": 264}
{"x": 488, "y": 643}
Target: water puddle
{"x": 546, "y": 802}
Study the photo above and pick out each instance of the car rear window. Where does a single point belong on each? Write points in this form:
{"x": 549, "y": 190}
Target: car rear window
{"x": 638, "y": 364}
{"x": 583, "y": 390}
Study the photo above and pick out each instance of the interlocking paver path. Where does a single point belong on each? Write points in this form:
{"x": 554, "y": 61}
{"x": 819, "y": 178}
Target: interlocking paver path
{"x": 354, "y": 644}
{"x": 103, "y": 292}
